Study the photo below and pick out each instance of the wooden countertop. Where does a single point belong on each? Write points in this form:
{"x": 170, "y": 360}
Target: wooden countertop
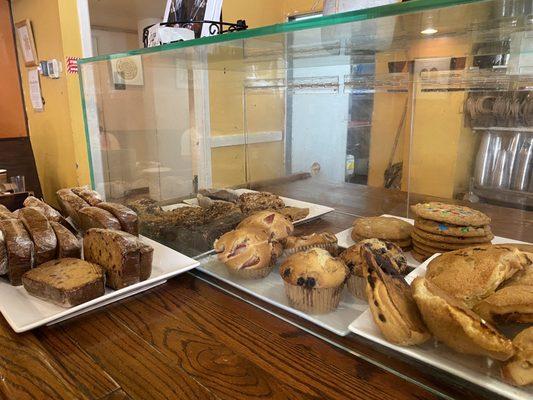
{"x": 187, "y": 339}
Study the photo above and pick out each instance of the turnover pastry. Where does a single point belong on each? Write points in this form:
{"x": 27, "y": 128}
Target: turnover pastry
{"x": 272, "y": 222}
{"x": 507, "y": 305}
{"x": 392, "y": 306}
{"x": 474, "y": 273}
{"x": 457, "y": 326}
{"x": 247, "y": 252}
{"x": 519, "y": 370}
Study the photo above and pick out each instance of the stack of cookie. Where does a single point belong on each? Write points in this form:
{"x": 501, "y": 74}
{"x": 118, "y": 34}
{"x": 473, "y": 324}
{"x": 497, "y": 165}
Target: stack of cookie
{"x": 441, "y": 227}
{"x": 385, "y": 228}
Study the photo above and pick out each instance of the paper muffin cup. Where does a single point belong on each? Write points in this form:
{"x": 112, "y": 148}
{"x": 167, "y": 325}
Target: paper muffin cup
{"x": 251, "y": 273}
{"x": 313, "y": 300}
{"x": 357, "y": 286}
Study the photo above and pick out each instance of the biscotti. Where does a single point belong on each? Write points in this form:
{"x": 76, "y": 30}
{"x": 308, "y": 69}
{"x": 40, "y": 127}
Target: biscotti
{"x": 90, "y": 196}
{"x": 71, "y": 203}
{"x": 41, "y": 233}
{"x": 128, "y": 219}
{"x": 119, "y": 253}
{"x": 19, "y": 249}
{"x": 5, "y": 213}
{"x": 68, "y": 245}
{"x": 66, "y": 282}
{"x": 94, "y": 217}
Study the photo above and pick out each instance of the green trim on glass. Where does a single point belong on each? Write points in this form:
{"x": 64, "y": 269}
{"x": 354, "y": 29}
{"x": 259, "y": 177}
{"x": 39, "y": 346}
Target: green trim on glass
{"x": 334, "y": 19}
{"x": 86, "y": 125}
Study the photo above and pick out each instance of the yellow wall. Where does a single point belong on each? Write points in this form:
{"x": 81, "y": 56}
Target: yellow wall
{"x": 56, "y": 133}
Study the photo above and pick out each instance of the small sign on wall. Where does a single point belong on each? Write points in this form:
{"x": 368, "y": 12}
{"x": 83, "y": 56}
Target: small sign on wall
{"x": 26, "y": 43}
{"x": 35, "y": 89}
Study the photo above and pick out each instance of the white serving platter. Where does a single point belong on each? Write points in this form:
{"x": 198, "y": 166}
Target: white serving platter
{"x": 479, "y": 370}
{"x": 24, "y": 312}
{"x": 345, "y": 240}
{"x": 271, "y": 290}
{"x": 315, "y": 210}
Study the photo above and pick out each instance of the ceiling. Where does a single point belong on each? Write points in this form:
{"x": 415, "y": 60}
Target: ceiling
{"x": 124, "y": 14}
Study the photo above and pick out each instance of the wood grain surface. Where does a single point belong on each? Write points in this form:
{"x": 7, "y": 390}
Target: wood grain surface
{"x": 189, "y": 339}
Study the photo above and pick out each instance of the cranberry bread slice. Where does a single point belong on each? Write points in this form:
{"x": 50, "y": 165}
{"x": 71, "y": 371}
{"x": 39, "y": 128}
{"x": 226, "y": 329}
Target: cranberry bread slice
{"x": 19, "y": 249}
{"x": 146, "y": 259}
{"x": 94, "y": 217}
{"x": 66, "y": 282}
{"x": 49, "y": 212}
{"x": 5, "y": 213}
{"x": 90, "y": 196}
{"x": 128, "y": 219}
{"x": 71, "y": 203}
{"x": 119, "y": 253}
{"x": 43, "y": 236}
{"x": 68, "y": 245}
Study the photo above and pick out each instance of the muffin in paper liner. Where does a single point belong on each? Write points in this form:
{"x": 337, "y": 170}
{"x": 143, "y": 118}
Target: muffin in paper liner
{"x": 357, "y": 286}
{"x": 313, "y": 300}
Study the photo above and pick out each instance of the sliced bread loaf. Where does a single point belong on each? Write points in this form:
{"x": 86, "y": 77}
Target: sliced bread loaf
{"x": 71, "y": 203}
{"x": 66, "y": 282}
{"x": 128, "y": 219}
{"x": 94, "y": 217}
{"x": 19, "y": 249}
{"x": 68, "y": 245}
{"x": 42, "y": 234}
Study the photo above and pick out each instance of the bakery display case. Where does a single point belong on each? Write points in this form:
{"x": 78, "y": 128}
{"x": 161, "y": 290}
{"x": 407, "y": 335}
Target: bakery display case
{"x": 328, "y": 120}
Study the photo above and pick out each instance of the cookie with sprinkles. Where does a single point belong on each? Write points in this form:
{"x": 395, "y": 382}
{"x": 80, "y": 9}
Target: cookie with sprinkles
{"x": 440, "y": 228}
{"x": 450, "y": 214}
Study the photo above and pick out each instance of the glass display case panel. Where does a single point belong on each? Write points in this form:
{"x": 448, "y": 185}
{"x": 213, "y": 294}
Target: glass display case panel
{"x": 363, "y": 113}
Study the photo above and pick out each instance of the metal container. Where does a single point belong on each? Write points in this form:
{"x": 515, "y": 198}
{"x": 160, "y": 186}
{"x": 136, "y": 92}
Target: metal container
{"x": 501, "y": 176}
{"x": 486, "y": 156}
{"x": 524, "y": 166}
{"x": 513, "y": 147}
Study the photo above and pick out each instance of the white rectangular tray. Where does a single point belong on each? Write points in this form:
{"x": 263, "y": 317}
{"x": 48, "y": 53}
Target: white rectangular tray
{"x": 479, "y": 370}
{"x": 315, "y": 210}
{"x": 24, "y": 312}
{"x": 345, "y": 240}
{"x": 271, "y": 289}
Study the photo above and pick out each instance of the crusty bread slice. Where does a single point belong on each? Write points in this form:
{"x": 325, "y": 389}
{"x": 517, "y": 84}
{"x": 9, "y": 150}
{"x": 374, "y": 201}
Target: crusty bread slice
{"x": 71, "y": 203}
{"x": 68, "y": 245}
{"x": 128, "y": 219}
{"x": 457, "y": 326}
{"x": 19, "y": 248}
{"x": 41, "y": 233}
{"x": 66, "y": 282}
{"x": 94, "y": 217}
{"x": 119, "y": 253}
{"x": 90, "y": 196}
{"x": 507, "y": 305}
{"x": 391, "y": 303}
{"x": 519, "y": 370}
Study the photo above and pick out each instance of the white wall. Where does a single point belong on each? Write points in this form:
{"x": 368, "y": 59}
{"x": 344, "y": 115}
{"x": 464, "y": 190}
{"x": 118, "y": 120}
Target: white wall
{"x": 107, "y": 42}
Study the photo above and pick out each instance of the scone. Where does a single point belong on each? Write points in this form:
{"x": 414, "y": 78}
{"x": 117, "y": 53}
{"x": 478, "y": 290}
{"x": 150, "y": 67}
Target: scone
{"x": 356, "y": 282}
{"x": 508, "y": 305}
{"x": 323, "y": 240}
{"x": 313, "y": 280}
{"x": 457, "y": 326}
{"x": 392, "y": 306}
{"x": 474, "y": 273}
{"x": 519, "y": 370}
{"x": 247, "y": 252}
{"x": 272, "y": 222}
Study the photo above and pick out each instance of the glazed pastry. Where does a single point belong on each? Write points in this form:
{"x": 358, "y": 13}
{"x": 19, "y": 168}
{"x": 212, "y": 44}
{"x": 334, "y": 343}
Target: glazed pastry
{"x": 457, "y": 326}
{"x": 474, "y": 273}
{"x": 392, "y": 306}
{"x": 510, "y": 304}
{"x": 324, "y": 240}
{"x": 277, "y": 226}
{"x": 519, "y": 370}
{"x": 246, "y": 252}
{"x": 356, "y": 281}
{"x": 313, "y": 280}
{"x": 250, "y": 202}
{"x": 450, "y": 214}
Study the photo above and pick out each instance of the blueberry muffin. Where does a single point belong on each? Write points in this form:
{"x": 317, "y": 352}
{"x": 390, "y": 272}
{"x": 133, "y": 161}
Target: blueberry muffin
{"x": 273, "y": 222}
{"x": 247, "y": 253}
{"x": 356, "y": 282}
{"x": 313, "y": 280}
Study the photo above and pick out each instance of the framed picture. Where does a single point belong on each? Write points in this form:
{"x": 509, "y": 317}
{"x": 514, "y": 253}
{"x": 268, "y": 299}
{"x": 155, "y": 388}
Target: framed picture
{"x": 127, "y": 71}
{"x": 26, "y": 42}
